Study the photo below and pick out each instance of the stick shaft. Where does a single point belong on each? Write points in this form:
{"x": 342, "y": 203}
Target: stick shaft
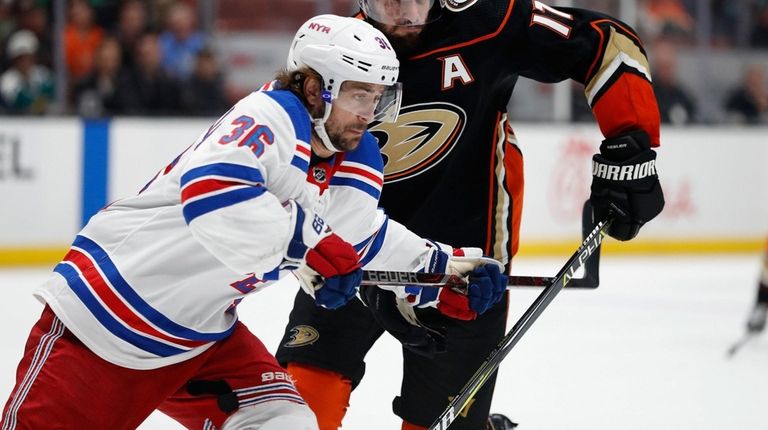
{"x": 590, "y": 245}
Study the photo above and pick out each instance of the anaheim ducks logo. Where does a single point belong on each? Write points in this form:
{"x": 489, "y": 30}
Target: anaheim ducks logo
{"x": 302, "y": 335}
{"x": 422, "y": 136}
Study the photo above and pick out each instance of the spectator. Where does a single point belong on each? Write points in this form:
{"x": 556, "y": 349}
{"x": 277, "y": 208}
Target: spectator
{"x": 181, "y": 41}
{"x": 726, "y": 20}
{"x": 131, "y": 25}
{"x": 748, "y": 103}
{"x": 105, "y": 11}
{"x": 676, "y": 106}
{"x": 667, "y": 19}
{"x": 26, "y": 87}
{"x": 203, "y": 93}
{"x": 35, "y": 19}
{"x": 759, "y": 36}
{"x": 99, "y": 94}
{"x": 147, "y": 89}
{"x": 7, "y": 27}
{"x": 81, "y": 40}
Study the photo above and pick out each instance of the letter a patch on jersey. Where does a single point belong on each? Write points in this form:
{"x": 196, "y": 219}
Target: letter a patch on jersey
{"x": 454, "y": 68}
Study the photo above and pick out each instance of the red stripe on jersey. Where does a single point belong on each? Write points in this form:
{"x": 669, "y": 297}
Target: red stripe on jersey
{"x": 626, "y": 105}
{"x": 205, "y": 186}
{"x": 115, "y": 304}
{"x": 304, "y": 150}
{"x": 358, "y": 171}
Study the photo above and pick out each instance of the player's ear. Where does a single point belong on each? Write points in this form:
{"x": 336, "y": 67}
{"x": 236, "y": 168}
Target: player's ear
{"x": 312, "y": 92}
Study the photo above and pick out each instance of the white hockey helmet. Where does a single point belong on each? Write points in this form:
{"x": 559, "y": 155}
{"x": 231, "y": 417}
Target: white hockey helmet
{"x": 344, "y": 49}
{"x": 405, "y": 12}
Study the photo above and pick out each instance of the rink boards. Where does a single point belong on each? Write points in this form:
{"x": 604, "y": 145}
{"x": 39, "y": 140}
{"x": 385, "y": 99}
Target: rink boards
{"x": 55, "y": 173}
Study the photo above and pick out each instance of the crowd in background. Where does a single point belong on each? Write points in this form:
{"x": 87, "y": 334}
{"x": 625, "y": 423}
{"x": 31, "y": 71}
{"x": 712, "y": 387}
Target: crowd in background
{"x": 151, "y": 57}
{"x": 128, "y": 57}
{"x": 670, "y": 26}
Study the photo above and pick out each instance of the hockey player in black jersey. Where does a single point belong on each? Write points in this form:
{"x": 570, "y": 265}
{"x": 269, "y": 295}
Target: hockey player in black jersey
{"x": 455, "y": 174}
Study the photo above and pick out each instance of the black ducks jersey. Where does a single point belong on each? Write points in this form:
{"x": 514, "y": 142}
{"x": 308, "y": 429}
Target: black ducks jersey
{"x": 453, "y": 171}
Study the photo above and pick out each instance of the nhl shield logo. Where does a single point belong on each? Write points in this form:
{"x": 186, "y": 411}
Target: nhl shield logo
{"x": 319, "y": 174}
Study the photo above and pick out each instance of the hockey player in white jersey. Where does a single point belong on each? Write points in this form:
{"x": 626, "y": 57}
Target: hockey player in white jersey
{"x": 141, "y": 314}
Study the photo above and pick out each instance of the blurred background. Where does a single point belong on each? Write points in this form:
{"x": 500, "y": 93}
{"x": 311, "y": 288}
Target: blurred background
{"x": 97, "y": 58}
{"x": 96, "y": 96}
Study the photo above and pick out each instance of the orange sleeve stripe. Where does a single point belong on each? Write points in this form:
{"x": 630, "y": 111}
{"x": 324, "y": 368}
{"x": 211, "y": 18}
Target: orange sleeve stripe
{"x": 628, "y": 104}
{"x": 515, "y": 184}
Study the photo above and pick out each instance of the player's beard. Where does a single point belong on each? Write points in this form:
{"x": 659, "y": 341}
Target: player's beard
{"x": 406, "y": 40}
{"x": 344, "y": 141}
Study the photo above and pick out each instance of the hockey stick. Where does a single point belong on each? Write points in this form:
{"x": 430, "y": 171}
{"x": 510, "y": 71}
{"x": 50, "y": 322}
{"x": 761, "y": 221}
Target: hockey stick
{"x": 443, "y": 280}
{"x": 741, "y": 342}
{"x": 590, "y": 280}
{"x": 587, "y": 248}
{"x": 591, "y": 277}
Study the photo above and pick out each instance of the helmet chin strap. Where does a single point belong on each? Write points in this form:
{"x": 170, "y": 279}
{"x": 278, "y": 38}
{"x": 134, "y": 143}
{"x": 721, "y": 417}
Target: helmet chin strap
{"x": 322, "y": 133}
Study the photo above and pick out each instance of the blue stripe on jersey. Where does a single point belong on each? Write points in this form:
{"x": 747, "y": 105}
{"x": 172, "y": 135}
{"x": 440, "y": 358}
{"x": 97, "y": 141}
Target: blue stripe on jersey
{"x": 108, "y": 321}
{"x": 300, "y": 163}
{"x": 356, "y": 183}
{"x": 376, "y": 243}
{"x": 296, "y": 111}
{"x": 367, "y": 153}
{"x": 296, "y": 247}
{"x": 122, "y": 287}
{"x": 205, "y": 205}
{"x": 229, "y": 170}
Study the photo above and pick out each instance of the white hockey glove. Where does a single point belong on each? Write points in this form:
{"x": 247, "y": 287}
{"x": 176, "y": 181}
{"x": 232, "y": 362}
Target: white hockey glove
{"x": 487, "y": 282}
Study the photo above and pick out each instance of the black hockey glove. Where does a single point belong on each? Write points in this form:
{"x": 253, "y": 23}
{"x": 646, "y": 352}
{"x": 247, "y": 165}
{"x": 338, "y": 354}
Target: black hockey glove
{"x": 624, "y": 182}
{"x": 418, "y": 339}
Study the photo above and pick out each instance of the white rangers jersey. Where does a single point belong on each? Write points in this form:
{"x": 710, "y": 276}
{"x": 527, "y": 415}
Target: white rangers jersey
{"x": 155, "y": 279}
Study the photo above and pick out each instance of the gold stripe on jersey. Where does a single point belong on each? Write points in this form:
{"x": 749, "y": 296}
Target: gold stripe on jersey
{"x": 503, "y": 200}
{"x": 504, "y": 219}
{"x": 619, "y": 50}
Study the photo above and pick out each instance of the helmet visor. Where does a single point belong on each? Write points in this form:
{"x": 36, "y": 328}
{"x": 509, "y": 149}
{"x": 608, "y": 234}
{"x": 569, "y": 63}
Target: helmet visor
{"x": 402, "y": 12}
{"x": 371, "y": 101}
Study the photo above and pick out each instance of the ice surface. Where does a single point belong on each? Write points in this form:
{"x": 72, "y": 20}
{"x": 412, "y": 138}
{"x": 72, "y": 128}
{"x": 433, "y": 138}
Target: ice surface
{"x": 644, "y": 351}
